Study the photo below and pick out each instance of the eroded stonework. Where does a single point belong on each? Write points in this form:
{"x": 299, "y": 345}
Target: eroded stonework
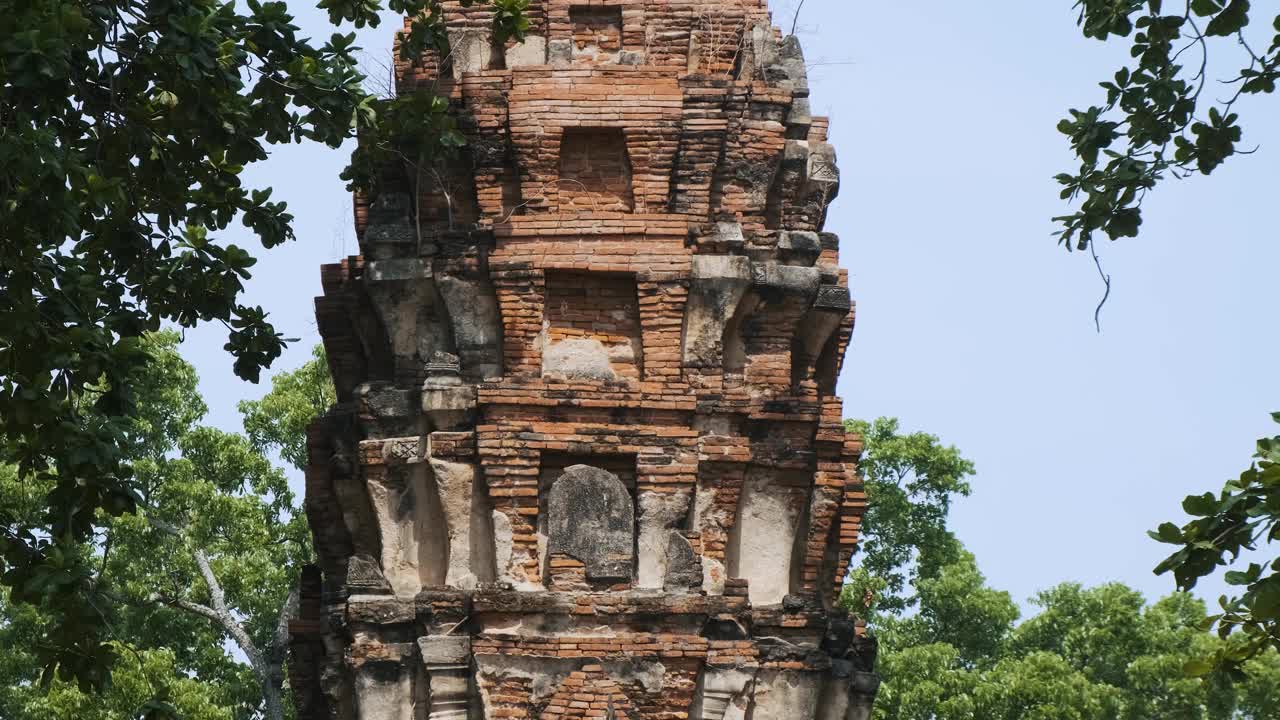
{"x": 587, "y": 458}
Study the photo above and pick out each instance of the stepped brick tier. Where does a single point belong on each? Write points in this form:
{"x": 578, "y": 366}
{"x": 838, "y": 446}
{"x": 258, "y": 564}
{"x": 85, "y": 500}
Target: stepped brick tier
{"x": 587, "y": 460}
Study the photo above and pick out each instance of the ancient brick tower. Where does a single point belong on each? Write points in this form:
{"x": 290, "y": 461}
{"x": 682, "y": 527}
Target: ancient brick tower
{"x": 587, "y": 459}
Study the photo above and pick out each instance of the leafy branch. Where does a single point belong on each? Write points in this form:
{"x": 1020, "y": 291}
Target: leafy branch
{"x": 1153, "y": 124}
{"x": 126, "y": 127}
{"x": 1226, "y": 526}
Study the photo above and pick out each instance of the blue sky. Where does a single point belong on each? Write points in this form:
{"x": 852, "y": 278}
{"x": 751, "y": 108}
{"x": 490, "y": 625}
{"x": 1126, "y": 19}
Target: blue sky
{"x": 972, "y": 323}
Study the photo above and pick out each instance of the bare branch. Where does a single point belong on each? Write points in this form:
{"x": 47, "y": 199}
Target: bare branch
{"x": 280, "y": 639}
{"x": 215, "y": 588}
{"x": 194, "y": 608}
{"x": 1106, "y": 280}
{"x": 269, "y": 675}
{"x": 795, "y": 21}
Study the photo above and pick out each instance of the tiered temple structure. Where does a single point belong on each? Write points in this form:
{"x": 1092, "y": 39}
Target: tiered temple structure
{"x": 587, "y": 459}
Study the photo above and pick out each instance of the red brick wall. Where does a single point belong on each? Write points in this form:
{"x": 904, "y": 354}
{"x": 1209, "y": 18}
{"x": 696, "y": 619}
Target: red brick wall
{"x": 643, "y": 103}
{"x": 597, "y": 34}
{"x": 649, "y": 133}
{"x": 595, "y": 171}
{"x": 601, "y": 307}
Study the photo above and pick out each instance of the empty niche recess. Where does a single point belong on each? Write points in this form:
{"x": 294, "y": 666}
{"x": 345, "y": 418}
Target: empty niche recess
{"x": 591, "y": 327}
{"x": 595, "y": 171}
{"x": 597, "y": 33}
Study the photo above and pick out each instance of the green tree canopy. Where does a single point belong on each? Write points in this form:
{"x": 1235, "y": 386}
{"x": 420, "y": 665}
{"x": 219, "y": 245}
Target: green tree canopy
{"x": 952, "y": 647}
{"x": 278, "y": 421}
{"x": 1088, "y": 654}
{"x": 912, "y": 479}
{"x": 125, "y": 130}
{"x": 209, "y": 561}
{"x": 1157, "y": 122}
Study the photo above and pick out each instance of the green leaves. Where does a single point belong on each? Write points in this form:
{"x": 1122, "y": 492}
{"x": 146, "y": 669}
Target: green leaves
{"x": 1244, "y": 515}
{"x": 1250, "y": 576}
{"x": 1089, "y": 134}
{"x": 413, "y": 132}
{"x": 125, "y": 133}
{"x": 1198, "y": 505}
{"x": 278, "y": 422}
{"x": 1215, "y": 141}
{"x": 1101, "y": 653}
{"x": 1197, "y": 668}
{"x": 510, "y": 18}
{"x": 949, "y": 645}
{"x": 102, "y": 621}
{"x": 1205, "y": 8}
{"x": 1151, "y": 127}
{"x": 912, "y": 479}
{"x": 1124, "y": 223}
{"x": 1229, "y": 21}
{"x": 1168, "y": 533}
{"x": 1099, "y": 19}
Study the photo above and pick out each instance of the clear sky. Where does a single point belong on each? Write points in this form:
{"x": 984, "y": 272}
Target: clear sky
{"x": 972, "y": 323}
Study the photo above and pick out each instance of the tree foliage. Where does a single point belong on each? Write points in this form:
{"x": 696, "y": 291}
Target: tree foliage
{"x": 911, "y": 479}
{"x": 1088, "y": 654}
{"x": 141, "y": 676}
{"x": 210, "y": 559}
{"x": 278, "y": 421}
{"x": 1156, "y": 121}
{"x": 1226, "y": 526}
{"x": 125, "y": 130}
{"x": 951, "y": 647}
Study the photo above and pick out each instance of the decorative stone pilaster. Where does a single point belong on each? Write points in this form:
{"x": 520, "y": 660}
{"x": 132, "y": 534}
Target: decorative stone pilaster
{"x": 723, "y": 694}
{"x": 447, "y": 662}
{"x": 447, "y": 402}
{"x": 383, "y": 682}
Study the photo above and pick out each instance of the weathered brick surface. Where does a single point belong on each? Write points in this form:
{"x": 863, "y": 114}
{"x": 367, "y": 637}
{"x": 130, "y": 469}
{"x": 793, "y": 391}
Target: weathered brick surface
{"x": 626, "y": 269}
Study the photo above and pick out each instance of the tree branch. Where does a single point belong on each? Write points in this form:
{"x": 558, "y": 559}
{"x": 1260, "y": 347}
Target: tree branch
{"x": 1106, "y": 280}
{"x": 194, "y": 608}
{"x": 795, "y": 21}
{"x": 267, "y": 669}
{"x": 268, "y": 674}
{"x": 216, "y": 594}
{"x": 280, "y": 639}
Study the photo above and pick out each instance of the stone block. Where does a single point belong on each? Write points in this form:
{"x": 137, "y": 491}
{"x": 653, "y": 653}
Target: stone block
{"x": 684, "y": 570}
{"x": 799, "y": 247}
{"x": 591, "y": 518}
{"x": 533, "y": 51}
{"x": 560, "y": 52}
{"x": 444, "y": 650}
{"x": 470, "y": 51}
{"x": 364, "y": 576}
{"x": 448, "y": 403}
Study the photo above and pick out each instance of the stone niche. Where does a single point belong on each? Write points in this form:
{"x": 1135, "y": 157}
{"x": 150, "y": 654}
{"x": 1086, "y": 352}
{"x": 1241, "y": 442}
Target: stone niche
{"x": 591, "y": 530}
{"x": 410, "y": 517}
{"x": 591, "y": 327}
{"x": 597, "y": 34}
{"x": 552, "y": 467}
{"x": 595, "y": 171}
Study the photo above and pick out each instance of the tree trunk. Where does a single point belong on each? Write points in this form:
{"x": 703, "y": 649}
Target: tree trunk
{"x": 267, "y": 667}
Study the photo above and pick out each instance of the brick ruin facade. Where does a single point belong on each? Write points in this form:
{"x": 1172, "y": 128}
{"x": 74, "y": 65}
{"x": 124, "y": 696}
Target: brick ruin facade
{"x": 587, "y": 458}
